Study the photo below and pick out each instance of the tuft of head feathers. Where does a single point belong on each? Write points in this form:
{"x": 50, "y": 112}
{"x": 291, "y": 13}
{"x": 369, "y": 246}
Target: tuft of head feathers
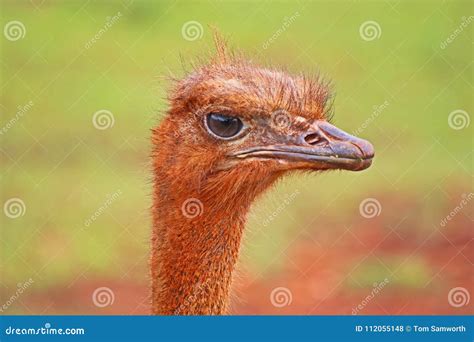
{"x": 228, "y": 79}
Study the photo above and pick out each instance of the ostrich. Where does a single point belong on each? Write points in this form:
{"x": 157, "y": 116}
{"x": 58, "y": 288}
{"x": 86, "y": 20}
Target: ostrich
{"x": 232, "y": 129}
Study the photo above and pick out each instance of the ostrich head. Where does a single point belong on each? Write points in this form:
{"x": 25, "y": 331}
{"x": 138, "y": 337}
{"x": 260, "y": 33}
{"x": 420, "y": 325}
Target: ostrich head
{"x": 233, "y": 128}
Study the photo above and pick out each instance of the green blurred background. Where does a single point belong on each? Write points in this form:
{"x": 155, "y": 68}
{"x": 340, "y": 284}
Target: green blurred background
{"x": 65, "y": 170}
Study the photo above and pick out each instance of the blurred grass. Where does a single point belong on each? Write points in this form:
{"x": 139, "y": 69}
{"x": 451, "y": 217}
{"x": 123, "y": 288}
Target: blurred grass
{"x": 63, "y": 168}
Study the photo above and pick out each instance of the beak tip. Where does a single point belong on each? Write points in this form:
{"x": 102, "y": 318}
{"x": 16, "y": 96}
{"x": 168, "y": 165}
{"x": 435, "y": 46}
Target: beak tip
{"x": 365, "y": 148}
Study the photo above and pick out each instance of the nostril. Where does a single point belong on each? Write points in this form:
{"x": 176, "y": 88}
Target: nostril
{"x": 313, "y": 139}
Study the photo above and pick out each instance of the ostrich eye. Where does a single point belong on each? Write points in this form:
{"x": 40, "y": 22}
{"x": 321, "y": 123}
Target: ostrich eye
{"x": 224, "y": 126}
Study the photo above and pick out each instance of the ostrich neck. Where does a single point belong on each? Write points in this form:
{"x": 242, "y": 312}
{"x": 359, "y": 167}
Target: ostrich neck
{"x": 195, "y": 246}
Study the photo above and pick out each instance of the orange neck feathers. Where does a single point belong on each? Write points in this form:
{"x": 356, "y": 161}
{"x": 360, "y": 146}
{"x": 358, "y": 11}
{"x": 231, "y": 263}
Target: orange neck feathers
{"x": 198, "y": 221}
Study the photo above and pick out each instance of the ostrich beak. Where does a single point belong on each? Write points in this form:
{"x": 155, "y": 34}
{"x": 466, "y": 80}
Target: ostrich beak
{"x": 321, "y": 147}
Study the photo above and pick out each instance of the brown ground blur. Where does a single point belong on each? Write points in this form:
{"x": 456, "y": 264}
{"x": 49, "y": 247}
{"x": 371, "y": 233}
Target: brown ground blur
{"x": 322, "y": 275}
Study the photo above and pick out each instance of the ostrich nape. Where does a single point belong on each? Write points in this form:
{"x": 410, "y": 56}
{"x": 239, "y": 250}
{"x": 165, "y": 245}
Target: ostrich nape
{"x": 232, "y": 129}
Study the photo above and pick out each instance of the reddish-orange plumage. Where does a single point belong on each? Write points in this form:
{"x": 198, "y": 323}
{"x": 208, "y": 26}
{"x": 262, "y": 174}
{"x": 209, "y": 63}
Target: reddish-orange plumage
{"x": 194, "y": 253}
